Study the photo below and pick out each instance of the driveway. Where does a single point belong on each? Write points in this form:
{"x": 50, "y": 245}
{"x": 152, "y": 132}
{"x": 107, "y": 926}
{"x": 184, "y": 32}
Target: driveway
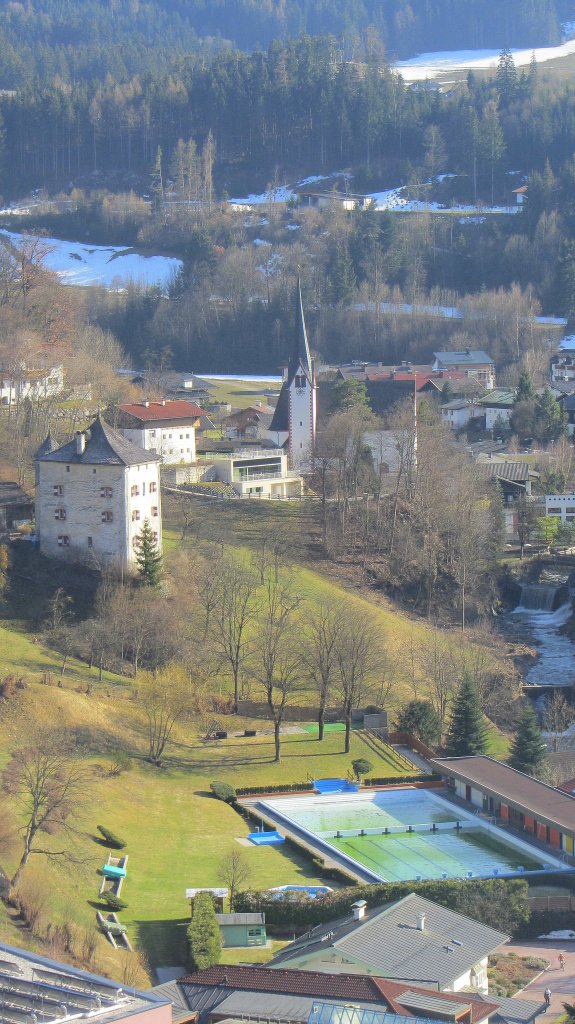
{"x": 561, "y": 983}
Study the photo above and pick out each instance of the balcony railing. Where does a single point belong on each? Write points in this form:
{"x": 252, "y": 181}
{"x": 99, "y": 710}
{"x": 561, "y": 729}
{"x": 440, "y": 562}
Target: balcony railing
{"x": 260, "y": 474}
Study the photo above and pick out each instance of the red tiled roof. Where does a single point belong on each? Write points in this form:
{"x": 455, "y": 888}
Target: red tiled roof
{"x": 292, "y": 982}
{"x": 178, "y": 409}
{"x": 319, "y": 985}
{"x": 568, "y": 787}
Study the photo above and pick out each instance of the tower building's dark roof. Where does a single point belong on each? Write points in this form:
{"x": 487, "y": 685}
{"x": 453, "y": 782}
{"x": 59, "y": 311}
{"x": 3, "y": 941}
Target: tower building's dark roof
{"x": 104, "y": 447}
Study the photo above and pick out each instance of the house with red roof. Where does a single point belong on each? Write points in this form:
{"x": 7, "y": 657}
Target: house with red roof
{"x": 166, "y": 428}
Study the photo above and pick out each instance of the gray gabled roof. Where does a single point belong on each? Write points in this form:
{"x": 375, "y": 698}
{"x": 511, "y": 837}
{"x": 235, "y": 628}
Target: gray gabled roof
{"x": 48, "y": 445}
{"x": 228, "y": 919}
{"x": 512, "y": 1010}
{"x": 469, "y": 356}
{"x": 104, "y": 447}
{"x": 392, "y": 946}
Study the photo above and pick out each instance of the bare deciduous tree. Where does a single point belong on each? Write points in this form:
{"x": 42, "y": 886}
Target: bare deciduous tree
{"x": 320, "y": 653}
{"x": 234, "y": 871}
{"x": 166, "y": 697}
{"x": 48, "y": 788}
{"x": 359, "y": 658}
{"x": 276, "y": 662}
{"x": 558, "y": 715}
{"x": 234, "y": 597}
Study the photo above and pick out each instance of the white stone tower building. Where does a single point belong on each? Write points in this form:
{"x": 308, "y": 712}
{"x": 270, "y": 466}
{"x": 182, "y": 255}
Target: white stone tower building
{"x": 295, "y": 414}
{"x": 93, "y": 495}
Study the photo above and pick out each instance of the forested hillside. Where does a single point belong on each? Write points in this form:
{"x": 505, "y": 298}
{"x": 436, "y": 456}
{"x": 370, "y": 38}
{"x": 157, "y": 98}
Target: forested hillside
{"x": 88, "y": 38}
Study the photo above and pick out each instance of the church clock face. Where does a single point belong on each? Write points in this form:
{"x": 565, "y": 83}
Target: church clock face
{"x": 300, "y": 383}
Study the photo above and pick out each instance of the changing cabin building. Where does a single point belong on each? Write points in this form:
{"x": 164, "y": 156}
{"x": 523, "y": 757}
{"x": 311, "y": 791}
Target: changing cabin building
{"x": 93, "y": 496}
{"x": 524, "y": 803}
{"x": 294, "y": 419}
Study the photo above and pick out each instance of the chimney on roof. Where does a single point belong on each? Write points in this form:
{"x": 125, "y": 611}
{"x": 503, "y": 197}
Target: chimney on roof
{"x": 258, "y": 404}
{"x": 80, "y": 442}
{"x": 421, "y": 922}
{"x": 163, "y": 401}
{"x": 467, "y": 351}
{"x": 146, "y": 404}
{"x": 358, "y": 910}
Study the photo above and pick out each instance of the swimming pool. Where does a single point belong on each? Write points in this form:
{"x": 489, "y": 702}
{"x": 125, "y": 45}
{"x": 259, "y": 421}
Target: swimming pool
{"x": 407, "y": 834}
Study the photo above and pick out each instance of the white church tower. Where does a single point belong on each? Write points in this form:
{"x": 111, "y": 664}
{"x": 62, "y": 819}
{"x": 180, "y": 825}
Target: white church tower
{"x": 295, "y": 415}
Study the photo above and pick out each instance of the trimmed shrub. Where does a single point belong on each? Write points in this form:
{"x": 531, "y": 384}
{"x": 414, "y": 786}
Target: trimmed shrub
{"x": 223, "y": 791}
{"x": 110, "y": 838}
{"x": 204, "y": 938}
{"x": 112, "y": 901}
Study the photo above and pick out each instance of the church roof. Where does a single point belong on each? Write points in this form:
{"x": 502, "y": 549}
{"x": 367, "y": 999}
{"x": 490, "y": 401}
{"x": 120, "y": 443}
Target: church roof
{"x": 300, "y": 357}
{"x": 104, "y": 447}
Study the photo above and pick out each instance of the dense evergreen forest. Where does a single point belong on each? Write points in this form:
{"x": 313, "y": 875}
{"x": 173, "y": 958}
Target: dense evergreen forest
{"x": 87, "y": 39}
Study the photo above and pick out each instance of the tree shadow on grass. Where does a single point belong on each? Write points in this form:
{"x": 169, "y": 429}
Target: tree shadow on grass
{"x": 164, "y": 942}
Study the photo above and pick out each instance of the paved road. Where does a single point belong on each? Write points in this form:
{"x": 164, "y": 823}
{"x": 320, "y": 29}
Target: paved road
{"x": 561, "y": 983}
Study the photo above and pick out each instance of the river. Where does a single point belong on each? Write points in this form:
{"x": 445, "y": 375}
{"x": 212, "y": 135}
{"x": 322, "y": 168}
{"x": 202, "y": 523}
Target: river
{"x": 555, "y": 665}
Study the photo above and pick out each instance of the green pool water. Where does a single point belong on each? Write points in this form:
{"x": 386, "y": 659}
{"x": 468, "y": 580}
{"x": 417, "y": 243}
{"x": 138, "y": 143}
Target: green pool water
{"x": 398, "y": 858}
{"x": 403, "y": 855}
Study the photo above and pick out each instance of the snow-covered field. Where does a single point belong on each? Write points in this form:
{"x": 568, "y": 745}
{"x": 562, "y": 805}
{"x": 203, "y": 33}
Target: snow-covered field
{"x": 109, "y": 266}
{"x": 394, "y": 199}
{"x": 431, "y": 65}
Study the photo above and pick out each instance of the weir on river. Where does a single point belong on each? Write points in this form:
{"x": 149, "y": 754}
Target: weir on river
{"x": 538, "y": 596}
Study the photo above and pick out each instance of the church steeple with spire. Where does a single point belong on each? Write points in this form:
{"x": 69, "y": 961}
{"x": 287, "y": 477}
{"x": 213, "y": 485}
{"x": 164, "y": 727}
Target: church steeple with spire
{"x": 295, "y": 414}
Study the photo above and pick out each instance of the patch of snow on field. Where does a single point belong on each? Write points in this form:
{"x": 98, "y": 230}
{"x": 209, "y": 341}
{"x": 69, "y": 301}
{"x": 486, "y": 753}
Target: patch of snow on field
{"x": 561, "y": 934}
{"x": 430, "y": 65}
{"x": 393, "y": 199}
{"x": 110, "y": 266}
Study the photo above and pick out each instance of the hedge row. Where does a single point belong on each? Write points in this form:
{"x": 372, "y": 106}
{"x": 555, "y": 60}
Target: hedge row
{"x": 395, "y": 780}
{"x": 292, "y": 787}
{"x": 500, "y": 903}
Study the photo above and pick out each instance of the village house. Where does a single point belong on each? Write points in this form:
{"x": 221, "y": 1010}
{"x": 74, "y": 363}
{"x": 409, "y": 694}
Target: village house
{"x": 472, "y": 363}
{"x": 35, "y": 384}
{"x": 166, "y": 428}
{"x": 515, "y": 477}
{"x": 560, "y": 506}
{"x": 498, "y": 407}
{"x": 294, "y": 996}
{"x": 253, "y": 422}
{"x": 406, "y": 940}
{"x": 16, "y": 507}
{"x": 93, "y": 496}
{"x": 457, "y": 413}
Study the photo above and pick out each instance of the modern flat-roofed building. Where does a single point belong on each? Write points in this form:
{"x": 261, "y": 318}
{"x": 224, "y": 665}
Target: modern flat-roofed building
{"x": 524, "y": 803}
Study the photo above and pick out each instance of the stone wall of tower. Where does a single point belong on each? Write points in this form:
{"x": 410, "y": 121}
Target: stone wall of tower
{"x": 301, "y": 406}
{"x": 91, "y": 514}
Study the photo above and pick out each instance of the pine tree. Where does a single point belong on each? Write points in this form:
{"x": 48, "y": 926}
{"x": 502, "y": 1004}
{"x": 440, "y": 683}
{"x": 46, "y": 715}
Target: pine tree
{"x": 528, "y": 752}
{"x": 148, "y": 557}
{"x": 525, "y": 389}
{"x": 204, "y": 938}
{"x": 506, "y": 75}
{"x": 467, "y": 731}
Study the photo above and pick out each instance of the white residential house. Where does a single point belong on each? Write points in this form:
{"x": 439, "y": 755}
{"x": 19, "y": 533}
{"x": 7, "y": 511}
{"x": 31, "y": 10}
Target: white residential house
{"x": 22, "y": 382}
{"x": 561, "y": 506}
{"x": 93, "y": 496}
{"x": 294, "y": 419}
{"x": 166, "y": 428}
{"x": 457, "y": 413}
{"x": 498, "y": 406}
